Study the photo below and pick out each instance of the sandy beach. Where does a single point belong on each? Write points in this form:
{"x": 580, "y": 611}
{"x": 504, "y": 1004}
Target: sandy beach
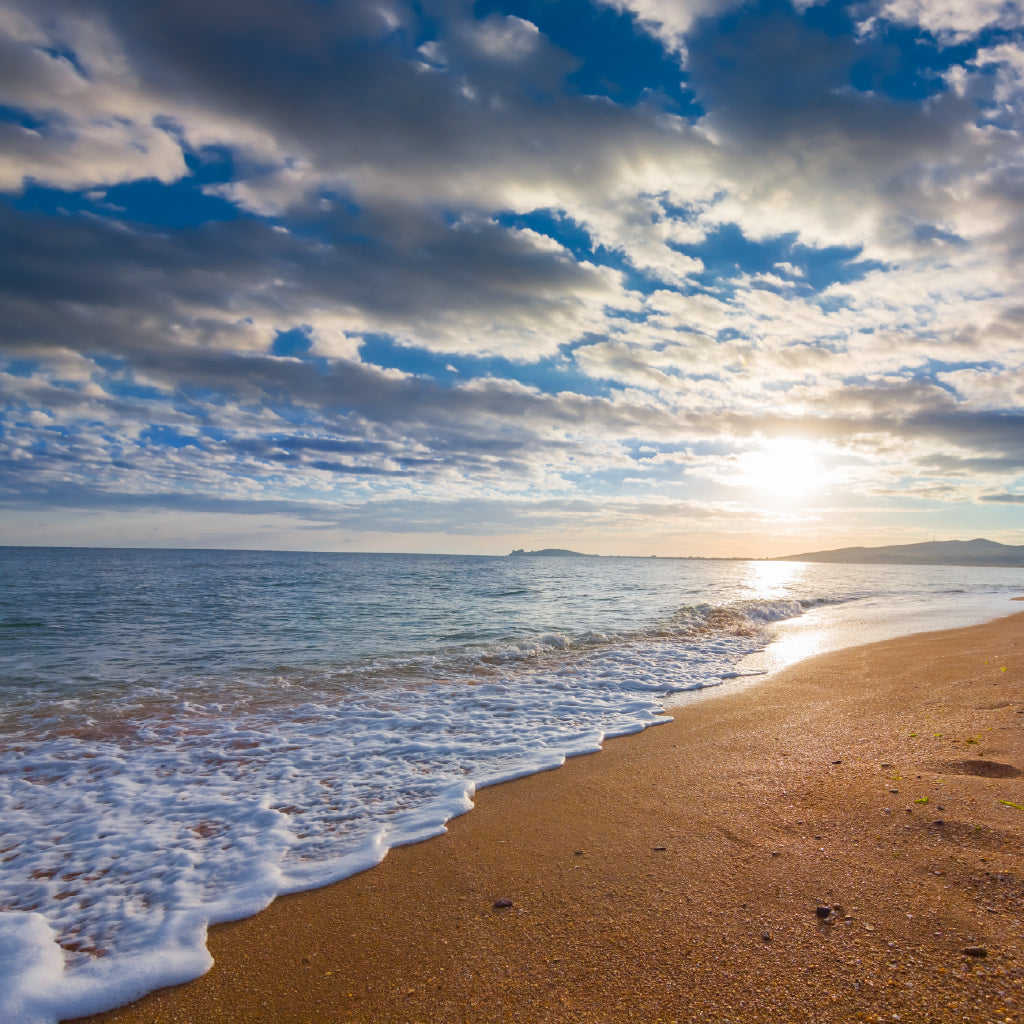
{"x": 843, "y": 841}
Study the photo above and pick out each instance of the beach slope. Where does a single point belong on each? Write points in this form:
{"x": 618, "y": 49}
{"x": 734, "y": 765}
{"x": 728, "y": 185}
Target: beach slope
{"x": 843, "y": 841}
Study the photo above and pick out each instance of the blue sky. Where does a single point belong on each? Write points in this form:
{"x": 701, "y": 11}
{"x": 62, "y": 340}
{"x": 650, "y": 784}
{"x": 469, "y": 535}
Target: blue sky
{"x": 628, "y": 276}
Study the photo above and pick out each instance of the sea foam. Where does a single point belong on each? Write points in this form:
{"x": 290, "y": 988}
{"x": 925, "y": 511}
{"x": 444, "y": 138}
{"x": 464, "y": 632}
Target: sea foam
{"x": 129, "y": 832}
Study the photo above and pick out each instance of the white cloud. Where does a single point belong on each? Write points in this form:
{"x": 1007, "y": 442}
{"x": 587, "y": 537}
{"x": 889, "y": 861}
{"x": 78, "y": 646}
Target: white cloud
{"x": 95, "y": 124}
{"x": 953, "y": 21}
{"x": 670, "y": 20}
{"x": 505, "y": 38}
{"x": 1001, "y": 389}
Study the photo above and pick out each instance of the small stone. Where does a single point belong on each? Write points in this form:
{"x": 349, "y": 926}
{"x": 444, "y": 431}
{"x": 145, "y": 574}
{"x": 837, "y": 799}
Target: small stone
{"x": 823, "y": 912}
{"x": 577, "y": 853}
{"x": 978, "y": 951}
{"x": 660, "y": 849}
{"x": 837, "y": 762}
{"x": 838, "y": 909}
{"x": 775, "y": 853}
{"x": 502, "y": 904}
{"x": 766, "y": 936}
{"x": 893, "y": 790}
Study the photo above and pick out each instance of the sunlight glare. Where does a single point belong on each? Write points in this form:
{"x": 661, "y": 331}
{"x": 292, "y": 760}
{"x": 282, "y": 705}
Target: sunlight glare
{"x": 785, "y": 467}
{"x": 769, "y": 581}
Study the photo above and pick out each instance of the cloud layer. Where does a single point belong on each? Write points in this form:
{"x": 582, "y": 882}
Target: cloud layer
{"x": 381, "y": 270}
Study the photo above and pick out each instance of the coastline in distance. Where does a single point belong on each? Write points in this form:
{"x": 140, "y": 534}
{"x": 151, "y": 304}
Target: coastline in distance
{"x": 552, "y": 552}
{"x": 978, "y": 552}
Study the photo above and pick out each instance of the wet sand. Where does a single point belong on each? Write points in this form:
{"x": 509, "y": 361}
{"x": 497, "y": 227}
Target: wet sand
{"x": 682, "y": 874}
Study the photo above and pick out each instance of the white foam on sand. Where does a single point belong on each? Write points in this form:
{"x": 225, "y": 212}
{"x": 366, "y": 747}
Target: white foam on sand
{"x": 128, "y": 834}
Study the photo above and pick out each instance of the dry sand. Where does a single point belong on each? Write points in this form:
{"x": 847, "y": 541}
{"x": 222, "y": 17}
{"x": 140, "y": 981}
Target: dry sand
{"x": 677, "y": 875}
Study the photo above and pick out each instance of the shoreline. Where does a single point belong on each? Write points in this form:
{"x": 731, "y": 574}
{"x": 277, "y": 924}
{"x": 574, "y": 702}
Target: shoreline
{"x": 660, "y": 878}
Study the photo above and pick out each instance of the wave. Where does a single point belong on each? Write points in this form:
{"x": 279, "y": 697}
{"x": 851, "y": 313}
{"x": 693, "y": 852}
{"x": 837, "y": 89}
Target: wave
{"x": 241, "y": 792}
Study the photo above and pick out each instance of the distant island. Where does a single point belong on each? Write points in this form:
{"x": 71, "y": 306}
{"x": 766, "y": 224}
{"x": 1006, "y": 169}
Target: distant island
{"x": 549, "y": 552}
{"x": 944, "y": 552}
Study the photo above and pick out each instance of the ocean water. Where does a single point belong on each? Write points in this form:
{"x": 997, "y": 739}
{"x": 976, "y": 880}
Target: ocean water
{"x": 185, "y": 735}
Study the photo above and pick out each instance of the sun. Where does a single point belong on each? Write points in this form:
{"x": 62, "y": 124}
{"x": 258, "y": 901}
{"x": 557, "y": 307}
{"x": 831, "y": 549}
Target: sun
{"x": 785, "y": 468}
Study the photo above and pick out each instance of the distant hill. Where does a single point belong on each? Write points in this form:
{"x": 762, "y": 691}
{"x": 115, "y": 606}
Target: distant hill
{"x": 943, "y": 552}
{"x": 548, "y": 552}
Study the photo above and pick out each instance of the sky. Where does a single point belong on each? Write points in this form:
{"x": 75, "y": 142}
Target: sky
{"x": 673, "y": 277}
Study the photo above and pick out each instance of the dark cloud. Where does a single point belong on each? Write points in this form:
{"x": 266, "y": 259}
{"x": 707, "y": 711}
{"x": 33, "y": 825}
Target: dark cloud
{"x": 772, "y": 80}
{"x": 114, "y": 287}
{"x": 989, "y": 432}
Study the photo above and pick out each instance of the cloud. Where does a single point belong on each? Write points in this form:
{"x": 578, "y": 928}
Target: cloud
{"x": 807, "y": 153}
{"x": 1004, "y": 499}
{"x": 477, "y": 119}
{"x": 334, "y": 100}
{"x": 986, "y": 389}
{"x": 671, "y": 21}
{"x": 472, "y": 286}
{"x": 421, "y": 257}
{"x": 954, "y": 21}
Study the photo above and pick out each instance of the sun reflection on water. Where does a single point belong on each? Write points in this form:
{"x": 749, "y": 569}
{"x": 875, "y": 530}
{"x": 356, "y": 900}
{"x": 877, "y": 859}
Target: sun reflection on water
{"x": 794, "y": 641}
{"x": 795, "y": 638}
{"x": 771, "y": 581}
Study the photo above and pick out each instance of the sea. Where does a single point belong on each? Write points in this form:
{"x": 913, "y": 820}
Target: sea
{"x": 185, "y": 735}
